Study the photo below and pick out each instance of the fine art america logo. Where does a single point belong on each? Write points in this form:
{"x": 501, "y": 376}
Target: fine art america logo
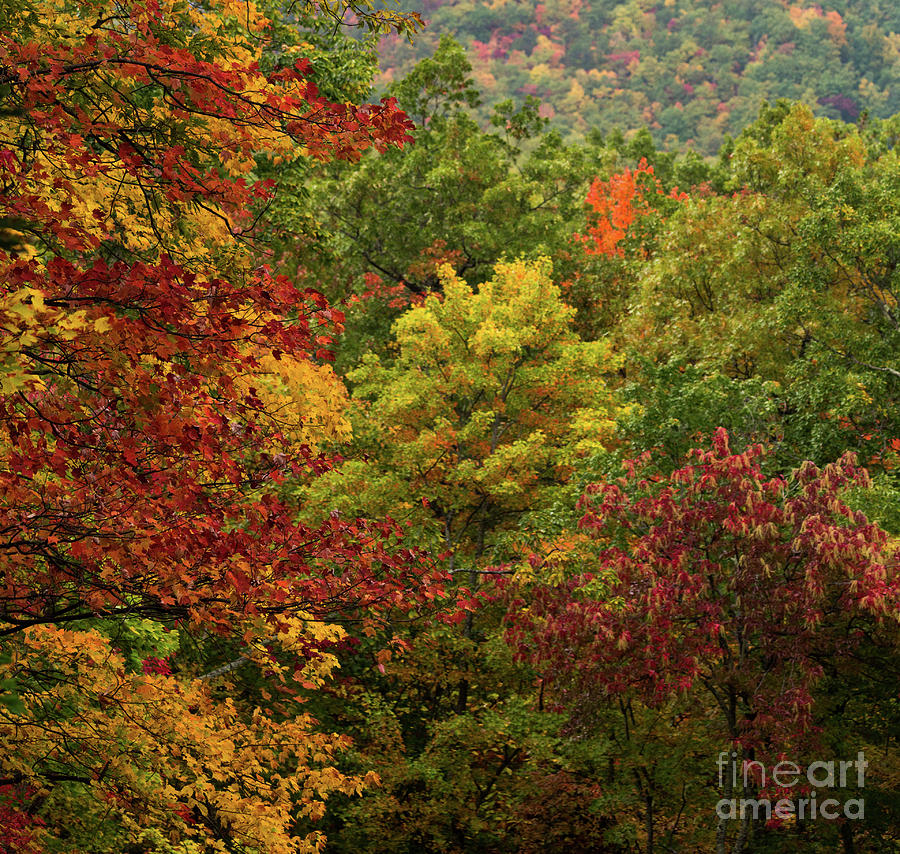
{"x": 797, "y": 798}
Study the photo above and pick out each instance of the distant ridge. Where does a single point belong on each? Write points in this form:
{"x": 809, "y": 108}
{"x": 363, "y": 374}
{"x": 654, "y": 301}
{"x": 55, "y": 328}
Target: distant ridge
{"x": 691, "y": 71}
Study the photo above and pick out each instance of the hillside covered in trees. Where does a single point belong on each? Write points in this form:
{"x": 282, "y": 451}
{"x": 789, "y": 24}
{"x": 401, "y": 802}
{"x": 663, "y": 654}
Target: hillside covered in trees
{"x": 692, "y": 71}
{"x": 378, "y": 479}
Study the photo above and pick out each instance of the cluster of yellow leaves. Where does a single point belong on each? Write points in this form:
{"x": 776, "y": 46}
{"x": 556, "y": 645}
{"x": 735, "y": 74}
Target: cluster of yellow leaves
{"x": 164, "y": 753}
{"x": 24, "y": 319}
{"x": 309, "y": 400}
{"x": 505, "y": 376}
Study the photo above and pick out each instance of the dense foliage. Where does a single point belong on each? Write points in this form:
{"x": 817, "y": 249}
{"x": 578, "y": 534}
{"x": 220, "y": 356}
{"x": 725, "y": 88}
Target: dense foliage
{"x": 689, "y": 70}
{"x": 376, "y": 478}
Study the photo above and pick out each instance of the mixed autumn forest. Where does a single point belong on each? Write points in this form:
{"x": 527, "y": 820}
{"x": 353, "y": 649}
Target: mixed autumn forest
{"x": 691, "y": 71}
{"x": 477, "y": 439}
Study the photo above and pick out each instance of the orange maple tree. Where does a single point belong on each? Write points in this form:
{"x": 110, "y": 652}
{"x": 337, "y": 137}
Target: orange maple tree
{"x": 617, "y": 207}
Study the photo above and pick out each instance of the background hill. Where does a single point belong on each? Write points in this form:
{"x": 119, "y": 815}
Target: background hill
{"x": 691, "y": 71}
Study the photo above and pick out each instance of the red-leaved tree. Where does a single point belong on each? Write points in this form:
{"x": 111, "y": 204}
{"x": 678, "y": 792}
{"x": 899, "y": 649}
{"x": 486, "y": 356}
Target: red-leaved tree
{"x": 717, "y": 584}
{"x": 143, "y": 444}
{"x": 140, "y": 472}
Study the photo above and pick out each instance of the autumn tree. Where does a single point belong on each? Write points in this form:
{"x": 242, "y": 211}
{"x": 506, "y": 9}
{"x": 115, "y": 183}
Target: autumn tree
{"x": 787, "y": 276}
{"x": 720, "y": 587}
{"x": 158, "y": 383}
{"x": 619, "y": 210}
{"x": 468, "y": 436}
{"x": 625, "y": 211}
{"x": 491, "y": 397}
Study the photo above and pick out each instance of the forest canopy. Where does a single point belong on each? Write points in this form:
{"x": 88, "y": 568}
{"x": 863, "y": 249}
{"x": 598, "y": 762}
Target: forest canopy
{"x": 691, "y": 71}
{"x": 396, "y": 474}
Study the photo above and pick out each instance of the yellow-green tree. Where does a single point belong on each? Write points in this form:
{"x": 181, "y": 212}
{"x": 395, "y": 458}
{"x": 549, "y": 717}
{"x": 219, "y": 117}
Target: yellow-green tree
{"x": 491, "y": 398}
